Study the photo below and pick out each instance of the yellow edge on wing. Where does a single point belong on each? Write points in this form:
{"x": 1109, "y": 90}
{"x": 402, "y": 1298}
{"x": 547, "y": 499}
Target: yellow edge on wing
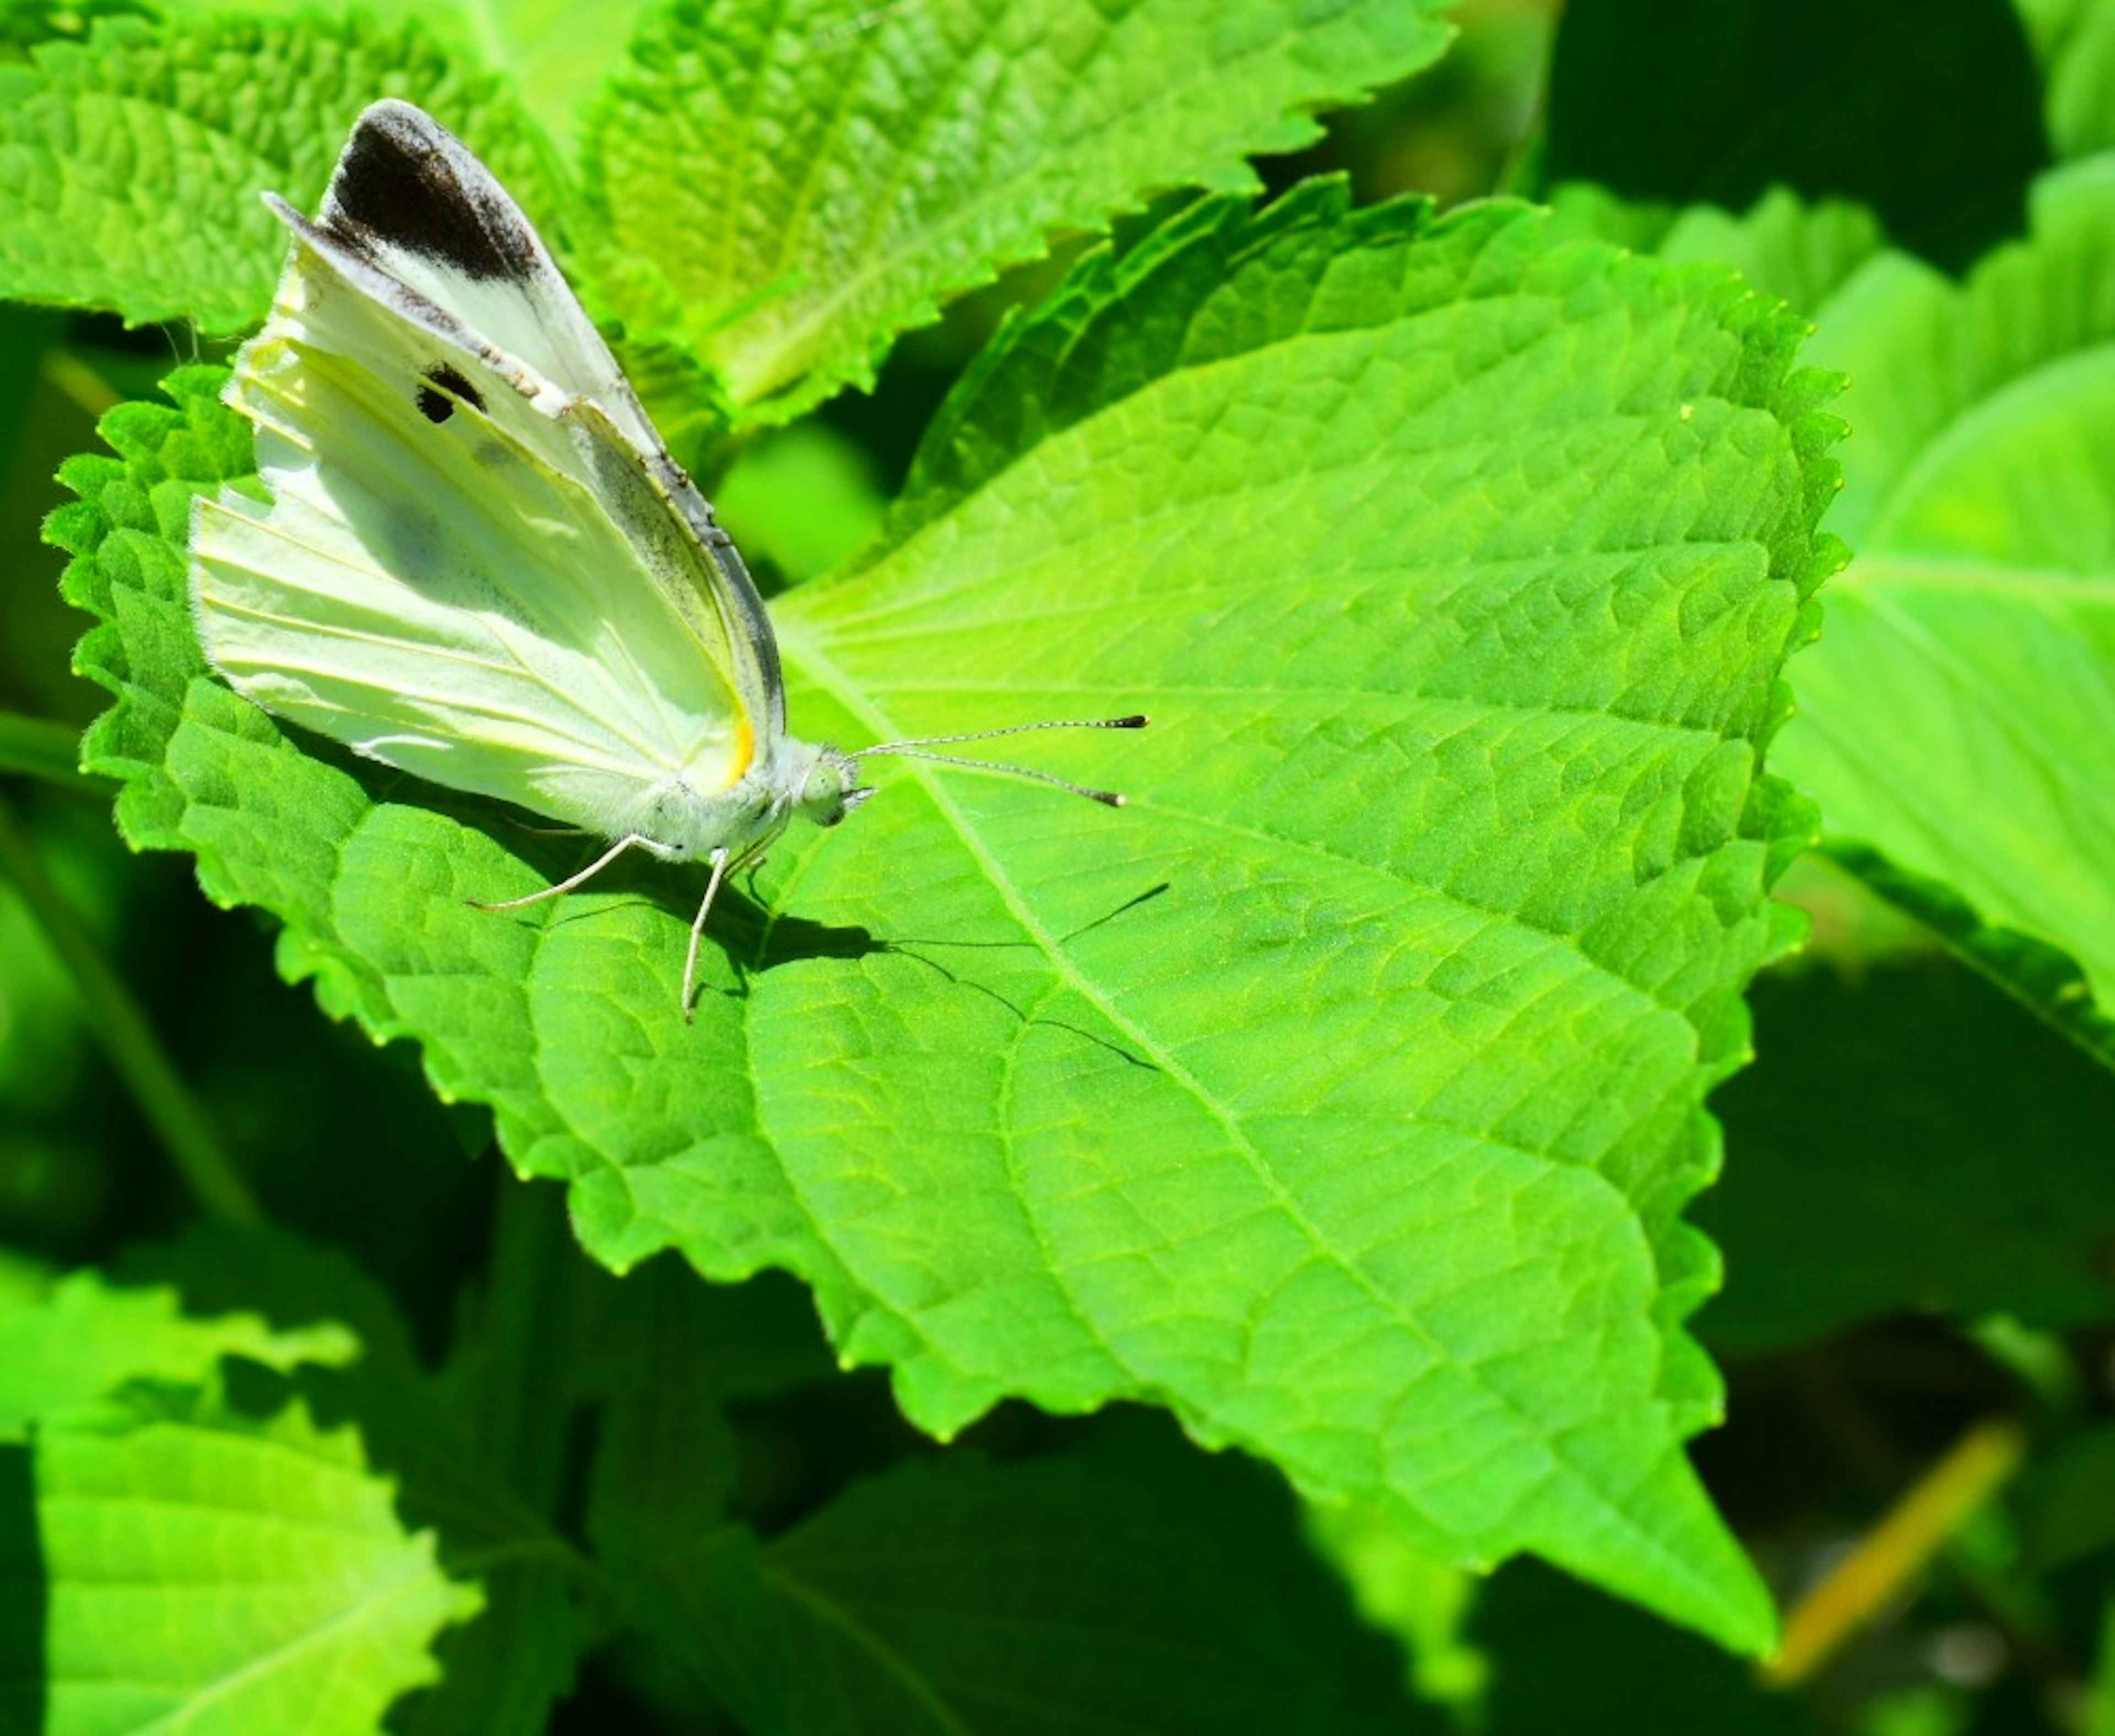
{"x": 744, "y": 752}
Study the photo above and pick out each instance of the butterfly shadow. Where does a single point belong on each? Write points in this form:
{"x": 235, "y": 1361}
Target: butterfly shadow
{"x": 748, "y": 931}
{"x": 755, "y": 937}
{"x": 783, "y": 939}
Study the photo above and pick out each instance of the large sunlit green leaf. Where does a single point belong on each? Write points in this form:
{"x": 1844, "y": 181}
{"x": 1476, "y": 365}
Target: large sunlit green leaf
{"x": 777, "y": 190}
{"x": 1341, "y": 1096}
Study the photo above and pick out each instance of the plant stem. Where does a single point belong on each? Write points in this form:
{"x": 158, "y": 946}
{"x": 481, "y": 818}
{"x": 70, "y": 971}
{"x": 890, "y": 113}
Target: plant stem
{"x": 47, "y": 751}
{"x": 129, "y": 1038}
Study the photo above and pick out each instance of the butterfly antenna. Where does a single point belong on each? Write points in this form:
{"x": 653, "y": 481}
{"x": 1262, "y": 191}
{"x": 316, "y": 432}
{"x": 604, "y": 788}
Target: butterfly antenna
{"x": 915, "y": 748}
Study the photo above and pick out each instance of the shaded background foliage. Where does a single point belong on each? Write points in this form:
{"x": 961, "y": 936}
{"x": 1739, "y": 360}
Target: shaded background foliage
{"x": 1914, "y": 1214}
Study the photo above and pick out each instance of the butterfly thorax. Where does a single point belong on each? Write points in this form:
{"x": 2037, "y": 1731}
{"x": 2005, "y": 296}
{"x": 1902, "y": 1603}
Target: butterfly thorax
{"x": 677, "y": 821}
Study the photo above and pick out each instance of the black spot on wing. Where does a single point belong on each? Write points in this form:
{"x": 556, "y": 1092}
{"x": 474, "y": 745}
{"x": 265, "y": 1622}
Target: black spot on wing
{"x": 405, "y": 180}
{"x": 435, "y": 403}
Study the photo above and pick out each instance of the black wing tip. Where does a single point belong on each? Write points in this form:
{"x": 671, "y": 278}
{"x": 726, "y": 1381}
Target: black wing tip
{"x": 405, "y": 180}
{"x": 394, "y": 112}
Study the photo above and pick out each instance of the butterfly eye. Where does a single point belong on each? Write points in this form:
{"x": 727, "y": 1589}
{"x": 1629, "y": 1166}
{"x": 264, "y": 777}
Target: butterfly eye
{"x": 437, "y": 406}
{"x": 828, "y": 816}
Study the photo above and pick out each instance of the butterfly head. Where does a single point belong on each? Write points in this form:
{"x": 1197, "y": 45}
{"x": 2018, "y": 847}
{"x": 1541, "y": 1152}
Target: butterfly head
{"x": 827, "y": 788}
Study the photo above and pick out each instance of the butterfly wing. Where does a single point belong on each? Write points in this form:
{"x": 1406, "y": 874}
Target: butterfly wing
{"x": 478, "y": 562}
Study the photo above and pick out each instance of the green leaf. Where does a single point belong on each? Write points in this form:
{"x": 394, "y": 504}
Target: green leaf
{"x": 674, "y": 1352}
{"x": 865, "y": 166}
{"x": 86, "y": 1336}
{"x": 2076, "y": 45}
{"x": 1782, "y": 244}
{"x": 1403, "y": 1591}
{"x": 159, "y": 1502}
{"x": 131, "y": 165}
{"x": 1661, "y": 99}
{"x": 1941, "y": 1126}
{"x": 439, "y": 1446}
{"x": 227, "y": 1570}
{"x": 1956, "y": 722}
{"x": 1342, "y": 1097}
{"x": 553, "y": 54}
{"x": 800, "y": 502}
{"x": 25, "y": 25}
{"x": 1587, "y": 1667}
{"x": 1133, "y": 1588}
{"x": 2068, "y": 1504}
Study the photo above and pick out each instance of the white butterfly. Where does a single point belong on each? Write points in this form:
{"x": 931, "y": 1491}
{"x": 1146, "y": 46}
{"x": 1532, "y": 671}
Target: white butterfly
{"x": 478, "y": 561}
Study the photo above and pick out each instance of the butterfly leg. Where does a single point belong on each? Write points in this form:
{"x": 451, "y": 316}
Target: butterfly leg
{"x": 567, "y": 885}
{"x": 697, "y": 928}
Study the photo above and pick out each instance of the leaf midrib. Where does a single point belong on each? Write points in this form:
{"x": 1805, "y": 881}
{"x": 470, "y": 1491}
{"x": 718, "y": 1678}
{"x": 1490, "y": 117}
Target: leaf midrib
{"x": 802, "y": 652}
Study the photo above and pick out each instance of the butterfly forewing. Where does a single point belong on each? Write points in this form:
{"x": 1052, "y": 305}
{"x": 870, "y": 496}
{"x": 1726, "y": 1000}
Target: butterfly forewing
{"x": 407, "y": 195}
{"x": 409, "y": 200}
{"x": 468, "y": 569}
